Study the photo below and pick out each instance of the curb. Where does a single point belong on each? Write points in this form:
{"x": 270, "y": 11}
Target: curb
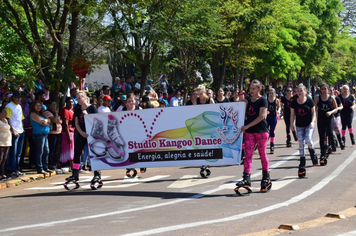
{"x": 27, "y": 178}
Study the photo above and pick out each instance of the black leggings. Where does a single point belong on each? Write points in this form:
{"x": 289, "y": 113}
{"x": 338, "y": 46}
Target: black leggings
{"x": 325, "y": 124}
{"x": 346, "y": 119}
{"x": 79, "y": 145}
{"x": 287, "y": 122}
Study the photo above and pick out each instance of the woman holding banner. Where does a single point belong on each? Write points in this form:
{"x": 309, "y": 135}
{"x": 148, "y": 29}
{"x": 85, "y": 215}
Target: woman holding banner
{"x": 256, "y": 131}
{"x": 80, "y": 135}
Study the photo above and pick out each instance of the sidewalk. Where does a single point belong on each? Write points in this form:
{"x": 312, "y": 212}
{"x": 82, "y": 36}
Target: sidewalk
{"x": 30, "y": 175}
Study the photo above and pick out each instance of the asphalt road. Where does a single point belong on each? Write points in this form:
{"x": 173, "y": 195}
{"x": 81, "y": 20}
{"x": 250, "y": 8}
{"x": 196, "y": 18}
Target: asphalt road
{"x": 177, "y": 201}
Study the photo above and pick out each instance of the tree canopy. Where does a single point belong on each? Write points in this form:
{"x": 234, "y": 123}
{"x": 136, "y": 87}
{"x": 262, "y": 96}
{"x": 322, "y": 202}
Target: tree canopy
{"x": 272, "y": 40}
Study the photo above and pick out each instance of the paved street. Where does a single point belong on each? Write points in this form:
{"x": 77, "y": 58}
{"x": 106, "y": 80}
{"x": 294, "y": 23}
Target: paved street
{"x": 177, "y": 201}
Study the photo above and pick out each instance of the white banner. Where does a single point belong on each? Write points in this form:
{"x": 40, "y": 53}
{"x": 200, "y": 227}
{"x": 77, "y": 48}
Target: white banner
{"x": 173, "y": 136}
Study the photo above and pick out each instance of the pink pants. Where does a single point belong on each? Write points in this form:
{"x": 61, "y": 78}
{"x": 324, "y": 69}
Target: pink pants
{"x": 261, "y": 140}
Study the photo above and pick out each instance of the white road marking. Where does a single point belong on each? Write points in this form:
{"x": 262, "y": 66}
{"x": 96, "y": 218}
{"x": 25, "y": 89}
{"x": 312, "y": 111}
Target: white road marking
{"x": 280, "y": 183}
{"x": 193, "y": 180}
{"x": 84, "y": 180}
{"x": 352, "y": 233}
{"x": 277, "y": 184}
{"x": 134, "y": 181}
{"x": 293, "y": 200}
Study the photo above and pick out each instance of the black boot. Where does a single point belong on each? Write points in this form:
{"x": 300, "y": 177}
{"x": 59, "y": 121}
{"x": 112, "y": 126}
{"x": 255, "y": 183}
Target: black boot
{"x": 352, "y": 139}
{"x": 265, "y": 182}
{"x": 344, "y": 140}
{"x": 301, "y": 170}
{"x": 289, "y": 143}
{"x": 243, "y": 186}
{"x": 271, "y": 145}
{"x": 96, "y": 182}
{"x": 341, "y": 143}
{"x": 74, "y": 177}
{"x": 323, "y": 158}
{"x": 245, "y": 182}
{"x": 313, "y": 157}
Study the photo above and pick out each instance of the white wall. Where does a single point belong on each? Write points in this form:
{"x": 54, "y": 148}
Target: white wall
{"x": 99, "y": 77}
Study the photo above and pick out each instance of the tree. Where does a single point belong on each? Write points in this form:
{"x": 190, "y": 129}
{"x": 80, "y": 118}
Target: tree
{"x": 138, "y": 28}
{"x": 49, "y": 32}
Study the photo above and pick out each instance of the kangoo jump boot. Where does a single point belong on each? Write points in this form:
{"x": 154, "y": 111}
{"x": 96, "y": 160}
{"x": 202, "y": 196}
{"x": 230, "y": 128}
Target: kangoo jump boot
{"x": 266, "y": 184}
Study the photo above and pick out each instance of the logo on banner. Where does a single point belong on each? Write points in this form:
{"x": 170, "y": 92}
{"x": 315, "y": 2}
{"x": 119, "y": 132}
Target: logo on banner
{"x": 109, "y": 144}
{"x": 227, "y": 114}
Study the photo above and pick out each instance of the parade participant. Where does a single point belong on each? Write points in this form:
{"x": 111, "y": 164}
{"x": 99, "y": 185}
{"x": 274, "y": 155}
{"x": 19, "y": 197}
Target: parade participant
{"x": 235, "y": 97}
{"x": 81, "y": 136}
{"x": 273, "y": 106}
{"x": 5, "y": 142}
{"x": 40, "y": 130}
{"x": 255, "y": 131}
{"x": 193, "y": 98}
{"x": 337, "y": 121}
{"x": 67, "y": 153}
{"x": 286, "y": 103}
{"x": 203, "y": 97}
{"x": 347, "y": 113}
{"x": 220, "y": 98}
{"x": 303, "y": 112}
{"x": 326, "y": 106}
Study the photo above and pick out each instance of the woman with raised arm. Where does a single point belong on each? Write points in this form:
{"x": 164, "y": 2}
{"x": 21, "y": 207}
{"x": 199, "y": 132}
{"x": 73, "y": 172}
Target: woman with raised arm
{"x": 84, "y": 108}
{"x": 303, "y": 112}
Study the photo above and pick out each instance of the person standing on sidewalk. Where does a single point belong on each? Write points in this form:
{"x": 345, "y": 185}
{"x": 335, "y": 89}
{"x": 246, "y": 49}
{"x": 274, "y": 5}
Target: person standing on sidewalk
{"x": 303, "y": 112}
{"x": 5, "y": 142}
{"x": 15, "y": 117}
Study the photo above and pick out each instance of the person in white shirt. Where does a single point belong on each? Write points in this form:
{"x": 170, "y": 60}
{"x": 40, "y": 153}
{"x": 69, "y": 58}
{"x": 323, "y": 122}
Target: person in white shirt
{"x": 105, "y": 107}
{"x": 15, "y": 117}
{"x": 175, "y": 101}
{"x": 138, "y": 84}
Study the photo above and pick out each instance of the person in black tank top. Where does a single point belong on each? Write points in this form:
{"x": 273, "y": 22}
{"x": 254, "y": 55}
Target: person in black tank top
{"x": 326, "y": 107}
{"x": 255, "y": 131}
{"x": 273, "y": 106}
{"x": 347, "y": 113}
{"x": 286, "y": 104}
{"x": 303, "y": 112}
{"x": 337, "y": 118}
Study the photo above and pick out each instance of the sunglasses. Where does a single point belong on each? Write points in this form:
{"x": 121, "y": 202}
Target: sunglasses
{"x": 289, "y": 90}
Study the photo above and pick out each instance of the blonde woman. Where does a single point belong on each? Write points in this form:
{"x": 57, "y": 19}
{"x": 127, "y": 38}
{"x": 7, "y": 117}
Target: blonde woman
{"x": 203, "y": 97}
{"x": 84, "y": 108}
